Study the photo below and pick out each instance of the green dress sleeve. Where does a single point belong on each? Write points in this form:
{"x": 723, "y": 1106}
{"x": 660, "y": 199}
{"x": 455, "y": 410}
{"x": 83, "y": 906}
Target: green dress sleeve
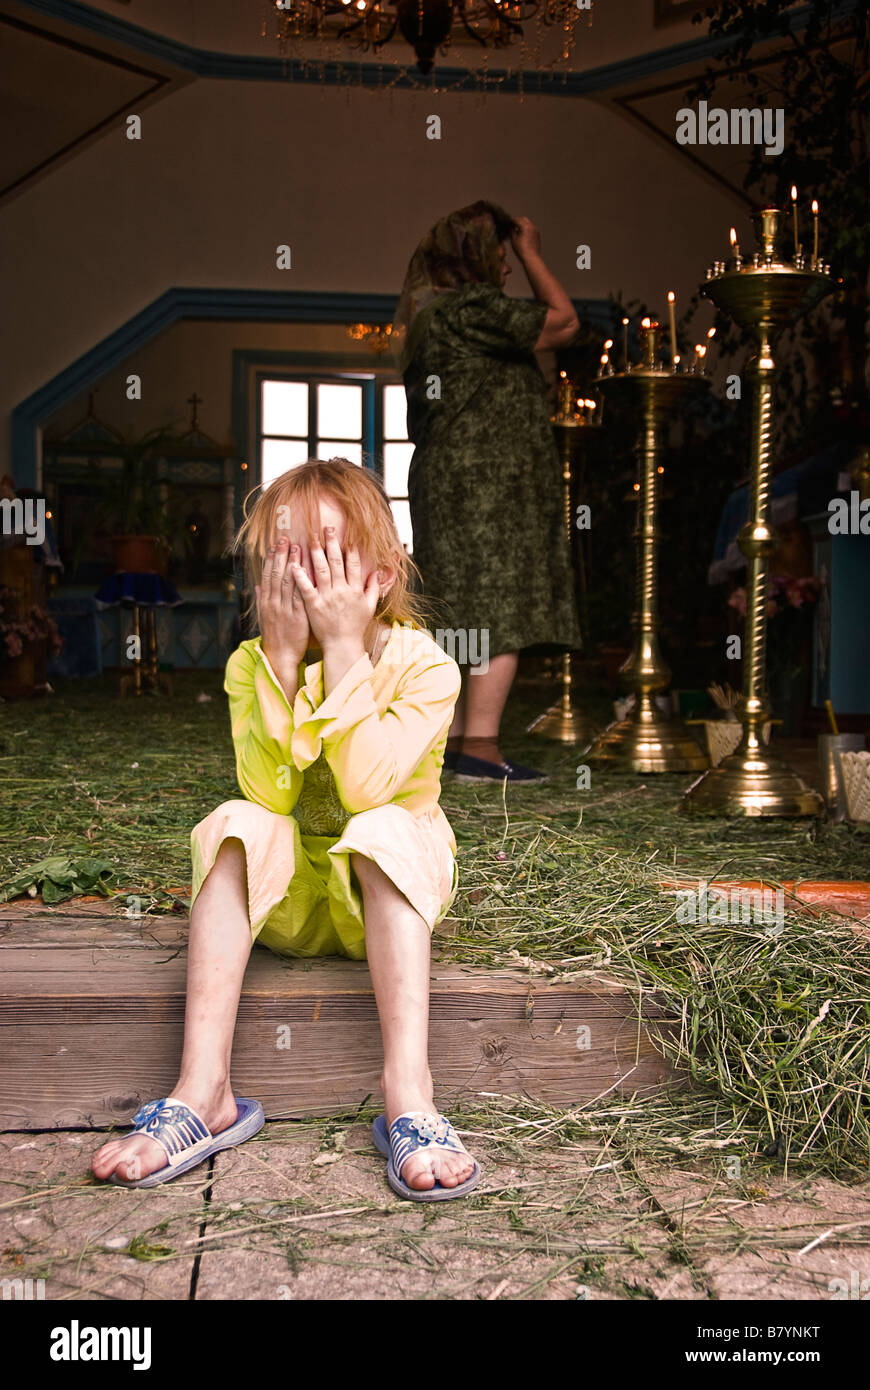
{"x": 491, "y": 323}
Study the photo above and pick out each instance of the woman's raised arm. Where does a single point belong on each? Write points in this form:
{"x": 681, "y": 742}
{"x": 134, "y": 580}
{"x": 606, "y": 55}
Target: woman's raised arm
{"x": 561, "y": 322}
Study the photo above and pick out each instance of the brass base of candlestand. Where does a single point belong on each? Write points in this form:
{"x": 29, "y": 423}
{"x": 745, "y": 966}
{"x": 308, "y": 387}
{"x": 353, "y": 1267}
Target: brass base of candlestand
{"x": 565, "y": 720}
{"x": 647, "y": 745}
{"x": 756, "y": 784}
{"x": 566, "y": 723}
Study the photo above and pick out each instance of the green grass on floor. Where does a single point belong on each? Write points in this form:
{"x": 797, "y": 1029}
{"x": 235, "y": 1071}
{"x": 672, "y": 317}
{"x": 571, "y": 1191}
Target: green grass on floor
{"x": 554, "y": 881}
{"x": 87, "y": 773}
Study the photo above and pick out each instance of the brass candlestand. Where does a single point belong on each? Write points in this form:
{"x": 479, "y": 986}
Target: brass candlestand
{"x": 762, "y": 297}
{"x": 647, "y": 740}
{"x": 566, "y": 720}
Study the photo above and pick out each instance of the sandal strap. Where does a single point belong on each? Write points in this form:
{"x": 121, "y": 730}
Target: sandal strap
{"x": 418, "y": 1130}
{"x": 176, "y": 1127}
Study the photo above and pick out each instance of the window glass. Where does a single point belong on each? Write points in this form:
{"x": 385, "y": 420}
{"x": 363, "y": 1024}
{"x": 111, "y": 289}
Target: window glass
{"x": 339, "y": 412}
{"x": 395, "y": 413}
{"x": 285, "y": 408}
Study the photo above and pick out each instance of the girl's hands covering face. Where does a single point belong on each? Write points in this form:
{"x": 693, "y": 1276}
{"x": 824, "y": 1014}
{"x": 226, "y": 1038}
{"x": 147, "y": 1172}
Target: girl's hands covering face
{"x": 280, "y": 605}
{"x": 339, "y": 605}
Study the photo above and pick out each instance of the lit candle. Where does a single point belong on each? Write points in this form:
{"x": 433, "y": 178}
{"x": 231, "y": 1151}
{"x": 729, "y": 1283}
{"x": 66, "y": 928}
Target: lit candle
{"x": 735, "y": 246}
{"x": 673, "y": 323}
{"x": 701, "y": 353}
{"x": 676, "y": 361}
{"x": 625, "y": 344}
{"x": 566, "y": 396}
{"x": 815, "y": 233}
{"x": 711, "y": 333}
{"x": 650, "y": 333}
{"x": 797, "y": 248}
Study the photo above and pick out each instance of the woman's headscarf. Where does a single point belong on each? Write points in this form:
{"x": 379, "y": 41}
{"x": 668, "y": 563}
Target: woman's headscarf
{"x": 461, "y": 249}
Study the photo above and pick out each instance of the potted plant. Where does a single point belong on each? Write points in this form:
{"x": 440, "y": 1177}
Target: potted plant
{"x": 131, "y": 506}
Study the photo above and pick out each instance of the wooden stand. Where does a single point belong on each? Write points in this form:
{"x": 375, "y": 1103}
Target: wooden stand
{"x": 92, "y": 1021}
{"x": 146, "y": 676}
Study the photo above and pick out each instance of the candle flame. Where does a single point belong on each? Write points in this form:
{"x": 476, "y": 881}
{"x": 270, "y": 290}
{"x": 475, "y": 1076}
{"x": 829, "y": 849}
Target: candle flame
{"x": 608, "y": 345}
{"x": 604, "y": 359}
{"x": 563, "y": 375}
{"x": 671, "y": 296}
{"x": 815, "y": 208}
{"x": 625, "y": 323}
{"x": 711, "y": 333}
{"x": 733, "y": 236}
{"x": 677, "y": 359}
{"x": 794, "y": 193}
{"x": 701, "y": 350}
{"x": 645, "y": 323}
{"x": 590, "y": 405}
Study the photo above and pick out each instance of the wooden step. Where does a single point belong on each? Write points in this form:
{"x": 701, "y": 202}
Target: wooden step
{"x": 92, "y": 1013}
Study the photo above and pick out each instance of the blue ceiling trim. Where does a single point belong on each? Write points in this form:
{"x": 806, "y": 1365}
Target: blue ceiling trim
{"x": 251, "y": 67}
{"x": 285, "y": 306}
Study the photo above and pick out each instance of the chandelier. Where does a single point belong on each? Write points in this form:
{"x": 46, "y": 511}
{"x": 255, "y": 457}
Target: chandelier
{"x": 430, "y": 26}
{"x": 374, "y": 335}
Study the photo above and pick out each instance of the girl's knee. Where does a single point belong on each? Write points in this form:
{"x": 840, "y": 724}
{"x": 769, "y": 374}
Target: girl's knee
{"x": 230, "y": 863}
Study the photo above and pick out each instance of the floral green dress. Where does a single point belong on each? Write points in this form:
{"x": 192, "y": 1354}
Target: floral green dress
{"x": 485, "y": 481}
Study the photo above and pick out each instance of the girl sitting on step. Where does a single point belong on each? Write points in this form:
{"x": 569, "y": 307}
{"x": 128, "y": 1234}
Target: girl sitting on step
{"x": 339, "y": 712}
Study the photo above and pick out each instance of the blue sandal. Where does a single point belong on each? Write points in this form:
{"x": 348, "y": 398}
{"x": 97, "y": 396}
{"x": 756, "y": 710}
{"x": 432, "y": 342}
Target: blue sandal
{"x": 186, "y": 1137}
{"x": 417, "y": 1130}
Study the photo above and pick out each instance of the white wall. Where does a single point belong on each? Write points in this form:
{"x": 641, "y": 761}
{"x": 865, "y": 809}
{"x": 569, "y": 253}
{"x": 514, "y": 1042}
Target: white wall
{"x": 227, "y": 170}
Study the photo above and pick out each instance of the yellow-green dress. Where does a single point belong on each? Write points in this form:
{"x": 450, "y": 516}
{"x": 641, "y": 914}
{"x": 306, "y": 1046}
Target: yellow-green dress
{"x": 354, "y": 771}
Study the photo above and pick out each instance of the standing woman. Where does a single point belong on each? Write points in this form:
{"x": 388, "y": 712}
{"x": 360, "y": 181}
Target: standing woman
{"x": 485, "y": 482}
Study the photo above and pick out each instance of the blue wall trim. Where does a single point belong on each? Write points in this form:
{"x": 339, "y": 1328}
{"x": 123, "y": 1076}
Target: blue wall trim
{"x": 286, "y": 306}
{"x": 251, "y": 67}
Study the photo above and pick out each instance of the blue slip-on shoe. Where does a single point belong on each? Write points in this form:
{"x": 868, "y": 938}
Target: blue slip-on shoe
{"x": 468, "y": 769}
{"x": 186, "y": 1137}
{"x": 451, "y": 758}
{"x": 417, "y": 1130}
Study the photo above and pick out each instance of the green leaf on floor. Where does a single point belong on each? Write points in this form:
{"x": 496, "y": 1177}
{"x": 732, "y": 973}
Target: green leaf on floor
{"x": 60, "y": 878}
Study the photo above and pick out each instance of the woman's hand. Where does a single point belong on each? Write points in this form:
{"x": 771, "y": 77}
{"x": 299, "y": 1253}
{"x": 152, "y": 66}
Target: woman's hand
{"x": 339, "y": 606}
{"x": 280, "y": 608}
{"x": 525, "y": 238}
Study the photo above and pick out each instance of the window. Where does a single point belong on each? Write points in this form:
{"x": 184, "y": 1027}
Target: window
{"x": 397, "y": 451}
{"x": 302, "y": 417}
{"x": 312, "y": 417}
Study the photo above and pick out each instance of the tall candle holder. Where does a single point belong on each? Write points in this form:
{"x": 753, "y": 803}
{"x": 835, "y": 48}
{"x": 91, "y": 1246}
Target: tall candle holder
{"x": 763, "y": 297}
{"x": 648, "y": 741}
{"x": 566, "y": 720}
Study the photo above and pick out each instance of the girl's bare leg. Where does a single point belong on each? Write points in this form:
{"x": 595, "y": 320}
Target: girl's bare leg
{"x": 398, "y": 950}
{"x": 220, "y": 944}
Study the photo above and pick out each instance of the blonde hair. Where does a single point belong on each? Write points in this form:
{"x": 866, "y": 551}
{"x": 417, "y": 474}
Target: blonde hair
{"x": 369, "y": 525}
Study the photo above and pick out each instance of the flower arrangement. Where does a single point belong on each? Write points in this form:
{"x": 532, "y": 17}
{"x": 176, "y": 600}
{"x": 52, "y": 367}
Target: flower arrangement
{"x": 783, "y": 592}
{"x": 21, "y": 626}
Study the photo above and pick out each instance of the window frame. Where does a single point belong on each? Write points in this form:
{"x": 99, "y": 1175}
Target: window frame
{"x": 314, "y": 378}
